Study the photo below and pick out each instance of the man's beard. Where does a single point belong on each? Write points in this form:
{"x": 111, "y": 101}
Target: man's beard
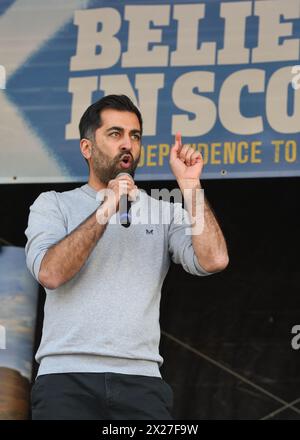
{"x": 107, "y": 169}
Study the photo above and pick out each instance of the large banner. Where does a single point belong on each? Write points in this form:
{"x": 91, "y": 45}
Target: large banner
{"x": 223, "y": 73}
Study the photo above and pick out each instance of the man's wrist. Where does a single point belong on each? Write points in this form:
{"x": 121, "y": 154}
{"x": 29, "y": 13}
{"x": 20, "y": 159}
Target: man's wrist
{"x": 105, "y": 211}
{"x": 189, "y": 184}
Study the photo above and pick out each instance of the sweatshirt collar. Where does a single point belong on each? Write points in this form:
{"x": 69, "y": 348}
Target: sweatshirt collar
{"x": 97, "y": 195}
{"x": 89, "y": 191}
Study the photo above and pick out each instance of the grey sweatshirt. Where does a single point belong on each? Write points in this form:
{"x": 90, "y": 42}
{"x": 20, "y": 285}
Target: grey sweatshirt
{"x": 106, "y": 318}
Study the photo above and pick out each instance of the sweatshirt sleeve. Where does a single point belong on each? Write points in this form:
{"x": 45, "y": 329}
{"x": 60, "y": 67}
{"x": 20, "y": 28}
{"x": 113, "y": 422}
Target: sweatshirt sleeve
{"x": 180, "y": 242}
{"x": 46, "y": 226}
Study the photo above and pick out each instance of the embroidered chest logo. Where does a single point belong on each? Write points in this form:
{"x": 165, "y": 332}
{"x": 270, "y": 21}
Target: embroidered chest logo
{"x": 149, "y": 231}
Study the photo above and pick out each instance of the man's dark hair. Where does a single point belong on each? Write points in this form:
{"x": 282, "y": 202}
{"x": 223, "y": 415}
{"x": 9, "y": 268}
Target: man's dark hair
{"x": 91, "y": 118}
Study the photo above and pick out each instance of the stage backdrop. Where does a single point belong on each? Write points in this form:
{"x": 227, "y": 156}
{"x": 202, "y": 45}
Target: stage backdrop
{"x": 225, "y": 74}
{"x": 18, "y": 304}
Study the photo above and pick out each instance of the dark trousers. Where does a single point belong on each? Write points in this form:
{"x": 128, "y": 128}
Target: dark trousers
{"x": 101, "y": 396}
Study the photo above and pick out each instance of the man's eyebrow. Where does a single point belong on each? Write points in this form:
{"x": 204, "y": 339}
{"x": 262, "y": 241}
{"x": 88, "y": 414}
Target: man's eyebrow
{"x": 134, "y": 130}
{"x": 115, "y": 128}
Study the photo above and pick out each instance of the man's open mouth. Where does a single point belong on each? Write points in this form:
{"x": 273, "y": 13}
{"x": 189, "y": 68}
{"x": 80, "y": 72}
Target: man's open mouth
{"x": 126, "y": 161}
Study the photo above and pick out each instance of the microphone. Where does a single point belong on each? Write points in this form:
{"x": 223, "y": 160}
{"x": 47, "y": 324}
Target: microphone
{"x": 124, "y": 207}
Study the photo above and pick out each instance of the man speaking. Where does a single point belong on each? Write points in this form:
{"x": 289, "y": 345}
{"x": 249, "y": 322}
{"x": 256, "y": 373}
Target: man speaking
{"x": 99, "y": 353}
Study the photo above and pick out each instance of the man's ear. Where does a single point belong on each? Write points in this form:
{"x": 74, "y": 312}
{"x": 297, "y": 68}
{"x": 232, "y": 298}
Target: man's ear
{"x": 86, "y": 148}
